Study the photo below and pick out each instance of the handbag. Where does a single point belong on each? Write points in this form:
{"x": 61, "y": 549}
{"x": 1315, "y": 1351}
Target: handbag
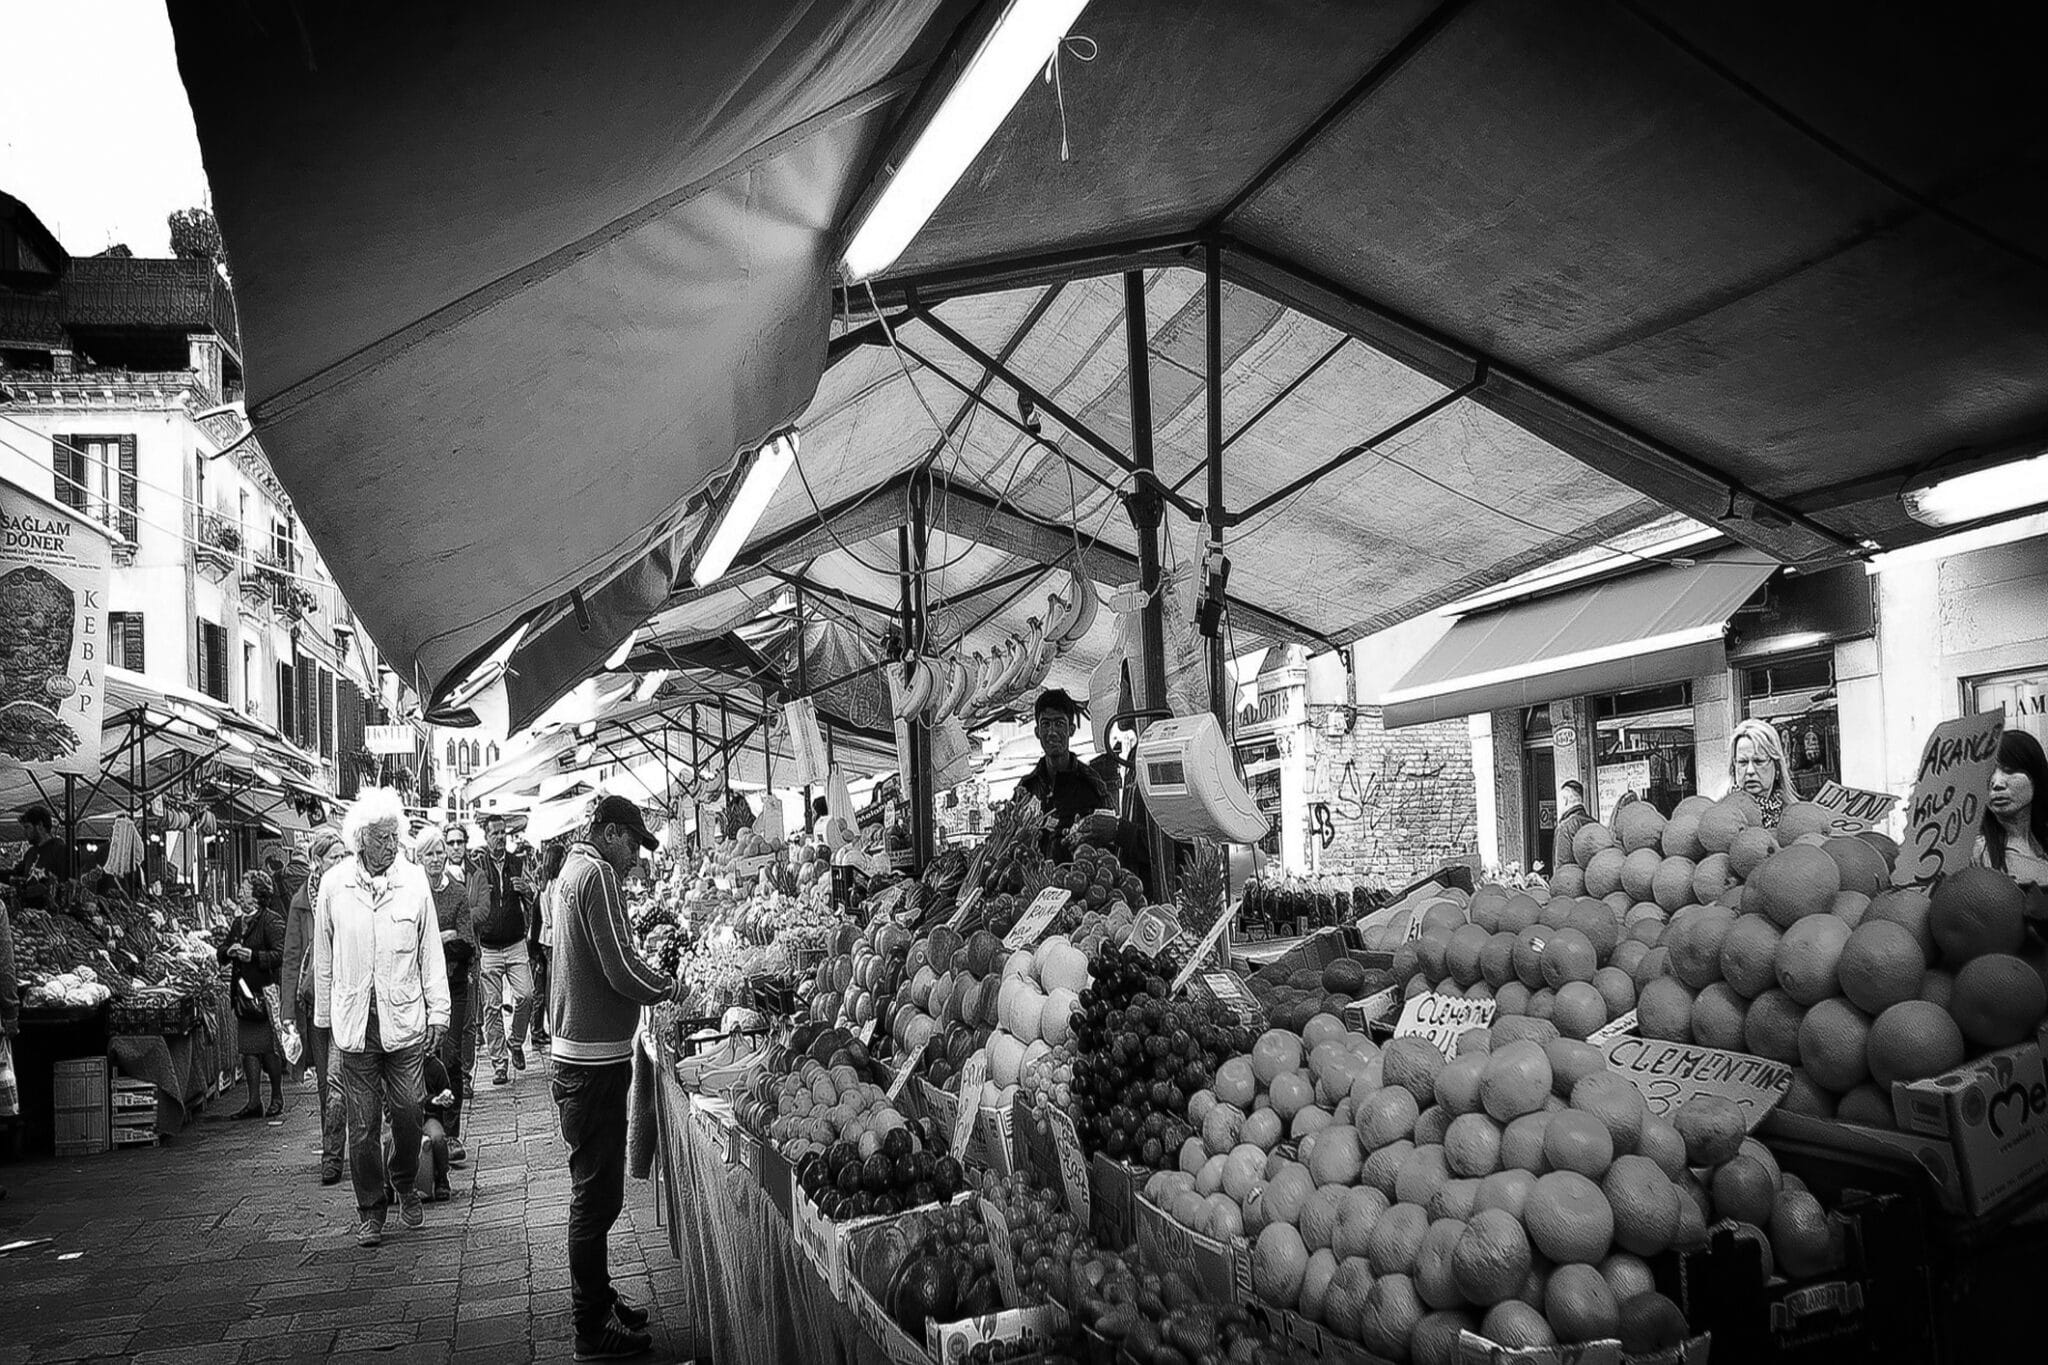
{"x": 249, "y": 1005}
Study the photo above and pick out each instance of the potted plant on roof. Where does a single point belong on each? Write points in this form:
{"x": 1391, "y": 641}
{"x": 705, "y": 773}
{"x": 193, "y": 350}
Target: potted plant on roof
{"x": 215, "y": 546}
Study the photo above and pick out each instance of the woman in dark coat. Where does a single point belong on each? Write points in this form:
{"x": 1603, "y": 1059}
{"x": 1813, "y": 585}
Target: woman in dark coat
{"x": 254, "y": 945}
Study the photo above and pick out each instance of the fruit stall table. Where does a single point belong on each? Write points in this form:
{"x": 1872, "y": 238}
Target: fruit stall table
{"x": 754, "y": 1298}
{"x": 187, "y": 1058}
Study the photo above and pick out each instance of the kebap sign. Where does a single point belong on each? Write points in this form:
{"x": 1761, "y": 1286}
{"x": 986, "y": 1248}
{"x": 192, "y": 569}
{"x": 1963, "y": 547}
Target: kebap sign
{"x": 54, "y": 563}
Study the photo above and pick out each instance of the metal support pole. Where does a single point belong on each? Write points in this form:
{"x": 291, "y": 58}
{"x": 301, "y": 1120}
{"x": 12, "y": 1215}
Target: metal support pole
{"x": 1147, "y": 509}
{"x": 803, "y": 689}
{"x": 71, "y": 817}
{"x": 1219, "y": 685}
{"x": 911, "y": 544}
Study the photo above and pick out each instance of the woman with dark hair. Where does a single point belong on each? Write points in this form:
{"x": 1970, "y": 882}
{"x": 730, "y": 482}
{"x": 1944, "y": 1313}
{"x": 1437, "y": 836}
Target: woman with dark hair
{"x": 255, "y": 946}
{"x": 2014, "y": 832}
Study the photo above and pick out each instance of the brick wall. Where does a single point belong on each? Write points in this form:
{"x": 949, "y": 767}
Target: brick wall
{"x": 1391, "y": 805}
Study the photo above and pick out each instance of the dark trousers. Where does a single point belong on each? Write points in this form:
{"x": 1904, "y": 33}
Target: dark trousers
{"x": 321, "y": 1053}
{"x": 592, "y": 1101}
{"x": 373, "y": 1081}
{"x": 540, "y": 993}
{"x": 458, "y": 1050}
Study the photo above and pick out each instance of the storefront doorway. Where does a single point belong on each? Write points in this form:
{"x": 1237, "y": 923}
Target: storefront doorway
{"x": 1539, "y": 787}
{"x": 1643, "y": 746}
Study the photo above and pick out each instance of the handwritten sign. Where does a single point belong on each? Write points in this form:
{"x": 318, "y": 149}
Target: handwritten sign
{"x": 969, "y": 904}
{"x": 1442, "y": 1019}
{"x": 1000, "y": 1247}
{"x": 867, "y": 1033}
{"x": 1668, "y": 1074}
{"x": 1205, "y": 947}
{"x": 1155, "y": 927}
{"x": 1948, "y": 797}
{"x": 1376, "y": 1008}
{"x": 1852, "y": 810}
{"x": 1066, "y": 1145}
{"x": 973, "y": 1075}
{"x": 1031, "y": 925}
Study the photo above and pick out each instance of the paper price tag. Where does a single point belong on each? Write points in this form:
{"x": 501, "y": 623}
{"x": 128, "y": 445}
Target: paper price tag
{"x": 1202, "y": 950}
{"x": 1231, "y": 993}
{"x": 969, "y": 904}
{"x": 1066, "y": 1145}
{"x": 1031, "y": 924}
{"x": 1442, "y": 1019}
{"x": 1621, "y": 1025}
{"x": 867, "y": 1033}
{"x": 905, "y": 1066}
{"x": 1154, "y": 928}
{"x": 998, "y": 1225}
{"x": 973, "y": 1074}
{"x": 1948, "y": 797}
{"x": 1669, "y": 1074}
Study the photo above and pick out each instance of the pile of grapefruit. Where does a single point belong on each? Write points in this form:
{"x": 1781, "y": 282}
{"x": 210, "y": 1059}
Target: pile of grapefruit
{"x": 1516, "y": 1191}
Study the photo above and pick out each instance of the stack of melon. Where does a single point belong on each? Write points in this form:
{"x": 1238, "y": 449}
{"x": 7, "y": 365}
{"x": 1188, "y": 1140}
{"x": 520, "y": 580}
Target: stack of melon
{"x": 1035, "y": 1000}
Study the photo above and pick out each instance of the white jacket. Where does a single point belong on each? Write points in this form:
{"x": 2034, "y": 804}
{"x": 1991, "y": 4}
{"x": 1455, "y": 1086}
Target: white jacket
{"x": 380, "y": 931}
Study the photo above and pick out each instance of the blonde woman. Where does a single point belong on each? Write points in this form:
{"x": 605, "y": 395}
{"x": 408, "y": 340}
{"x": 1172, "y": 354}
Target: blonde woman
{"x": 458, "y": 950}
{"x": 1756, "y": 768}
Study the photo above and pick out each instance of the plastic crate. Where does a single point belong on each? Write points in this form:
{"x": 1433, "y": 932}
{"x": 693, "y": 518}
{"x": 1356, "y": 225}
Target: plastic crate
{"x": 81, "y": 1114}
{"x": 126, "y": 1135}
{"x": 133, "y": 1097}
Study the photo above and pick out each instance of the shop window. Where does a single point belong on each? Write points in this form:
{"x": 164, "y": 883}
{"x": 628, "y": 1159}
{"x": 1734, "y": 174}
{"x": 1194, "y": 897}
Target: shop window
{"x": 1797, "y": 696}
{"x": 2022, "y": 695}
{"x": 1643, "y": 747}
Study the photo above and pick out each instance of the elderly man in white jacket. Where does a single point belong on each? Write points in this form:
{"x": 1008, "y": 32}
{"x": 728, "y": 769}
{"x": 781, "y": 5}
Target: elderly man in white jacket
{"x": 381, "y": 986}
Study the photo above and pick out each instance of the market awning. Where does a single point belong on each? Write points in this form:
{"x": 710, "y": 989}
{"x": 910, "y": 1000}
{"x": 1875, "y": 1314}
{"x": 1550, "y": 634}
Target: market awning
{"x": 1656, "y": 626}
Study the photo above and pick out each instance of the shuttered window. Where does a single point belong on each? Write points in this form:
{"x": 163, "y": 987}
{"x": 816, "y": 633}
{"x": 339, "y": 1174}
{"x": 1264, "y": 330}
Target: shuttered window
{"x": 213, "y": 660}
{"x": 326, "y": 714}
{"x": 67, "y": 463}
{"x": 124, "y": 640}
{"x": 348, "y": 734}
{"x": 287, "y": 700}
{"x": 126, "y": 521}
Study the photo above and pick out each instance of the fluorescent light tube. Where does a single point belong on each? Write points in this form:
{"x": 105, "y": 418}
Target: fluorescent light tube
{"x": 994, "y": 79}
{"x": 1977, "y": 494}
{"x": 617, "y": 659}
{"x": 650, "y": 683}
{"x": 739, "y": 508}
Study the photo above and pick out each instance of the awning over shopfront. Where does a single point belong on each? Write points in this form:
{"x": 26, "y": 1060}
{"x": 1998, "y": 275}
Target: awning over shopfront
{"x": 1657, "y": 626}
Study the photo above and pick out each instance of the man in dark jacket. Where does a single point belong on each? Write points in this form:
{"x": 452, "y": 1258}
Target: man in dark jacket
{"x": 1572, "y": 817}
{"x": 1068, "y": 788}
{"x": 498, "y": 908}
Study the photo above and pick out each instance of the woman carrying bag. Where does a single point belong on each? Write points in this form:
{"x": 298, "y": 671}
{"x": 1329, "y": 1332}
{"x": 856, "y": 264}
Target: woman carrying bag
{"x": 255, "y": 947}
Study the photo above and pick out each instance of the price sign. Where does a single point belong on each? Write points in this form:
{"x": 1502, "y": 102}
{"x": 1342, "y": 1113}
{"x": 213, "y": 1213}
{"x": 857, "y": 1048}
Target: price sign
{"x": 1373, "y": 1009}
{"x": 969, "y": 903}
{"x": 1231, "y": 993}
{"x": 1205, "y": 947}
{"x": 1155, "y": 927}
{"x": 867, "y": 1033}
{"x": 1066, "y": 1145}
{"x": 1852, "y": 810}
{"x": 1442, "y": 1019}
{"x": 1669, "y": 1074}
{"x": 1032, "y": 923}
{"x": 998, "y": 1225}
{"x": 973, "y": 1074}
{"x": 1948, "y": 797}
{"x": 906, "y": 1066}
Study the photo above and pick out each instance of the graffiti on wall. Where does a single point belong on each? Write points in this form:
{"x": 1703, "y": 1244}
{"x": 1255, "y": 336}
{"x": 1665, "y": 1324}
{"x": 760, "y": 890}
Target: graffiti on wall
{"x": 1372, "y": 799}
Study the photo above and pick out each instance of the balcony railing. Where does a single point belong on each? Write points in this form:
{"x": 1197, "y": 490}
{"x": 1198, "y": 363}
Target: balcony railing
{"x": 216, "y": 545}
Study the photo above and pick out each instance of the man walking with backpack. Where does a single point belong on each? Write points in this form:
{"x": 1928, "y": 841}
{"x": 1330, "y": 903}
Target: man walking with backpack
{"x": 498, "y": 909}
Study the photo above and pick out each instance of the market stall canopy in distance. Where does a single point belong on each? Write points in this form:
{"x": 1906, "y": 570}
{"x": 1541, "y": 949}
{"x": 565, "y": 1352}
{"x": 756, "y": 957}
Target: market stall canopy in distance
{"x": 1756, "y": 264}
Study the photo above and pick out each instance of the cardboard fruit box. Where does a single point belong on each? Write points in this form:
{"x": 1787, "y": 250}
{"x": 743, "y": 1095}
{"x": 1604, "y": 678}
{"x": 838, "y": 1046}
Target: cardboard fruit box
{"x": 1992, "y": 1113}
{"x": 1220, "y": 1269}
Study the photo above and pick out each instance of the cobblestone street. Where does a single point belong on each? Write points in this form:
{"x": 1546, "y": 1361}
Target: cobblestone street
{"x": 223, "y": 1246}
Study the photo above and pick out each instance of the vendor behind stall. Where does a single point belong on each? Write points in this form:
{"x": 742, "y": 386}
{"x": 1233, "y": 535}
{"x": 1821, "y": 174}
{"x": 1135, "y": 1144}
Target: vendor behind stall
{"x": 47, "y": 856}
{"x": 2013, "y": 837}
{"x": 1069, "y": 789}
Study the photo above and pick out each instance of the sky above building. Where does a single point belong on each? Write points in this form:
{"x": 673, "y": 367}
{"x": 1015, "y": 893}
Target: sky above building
{"x": 95, "y": 131}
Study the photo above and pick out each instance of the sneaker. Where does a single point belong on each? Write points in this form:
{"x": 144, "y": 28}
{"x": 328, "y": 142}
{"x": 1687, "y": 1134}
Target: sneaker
{"x": 611, "y": 1342}
{"x": 442, "y": 1194}
{"x": 410, "y": 1211}
{"x": 498, "y": 1077}
{"x": 457, "y": 1153}
{"x": 518, "y": 1057}
{"x": 370, "y": 1232}
{"x": 631, "y": 1318}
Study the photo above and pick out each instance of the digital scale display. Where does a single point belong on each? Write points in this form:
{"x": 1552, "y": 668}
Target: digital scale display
{"x": 1166, "y": 773}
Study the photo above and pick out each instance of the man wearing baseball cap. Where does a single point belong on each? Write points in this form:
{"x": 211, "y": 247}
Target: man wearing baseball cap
{"x": 600, "y": 983}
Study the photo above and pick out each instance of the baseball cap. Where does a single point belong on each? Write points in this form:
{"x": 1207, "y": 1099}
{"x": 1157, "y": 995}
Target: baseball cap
{"x": 617, "y": 810}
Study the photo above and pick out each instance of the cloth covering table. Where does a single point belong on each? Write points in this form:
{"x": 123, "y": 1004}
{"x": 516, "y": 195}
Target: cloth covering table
{"x": 186, "y": 1068}
{"x": 753, "y": 1298}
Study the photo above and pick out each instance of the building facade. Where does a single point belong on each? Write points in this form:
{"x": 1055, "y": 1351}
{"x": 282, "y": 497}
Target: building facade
{"x": 120, "y": 389}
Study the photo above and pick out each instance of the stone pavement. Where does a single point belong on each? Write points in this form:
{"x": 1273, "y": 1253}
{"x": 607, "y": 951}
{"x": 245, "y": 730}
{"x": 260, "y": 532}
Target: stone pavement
{"x": 223, "y": 1246}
